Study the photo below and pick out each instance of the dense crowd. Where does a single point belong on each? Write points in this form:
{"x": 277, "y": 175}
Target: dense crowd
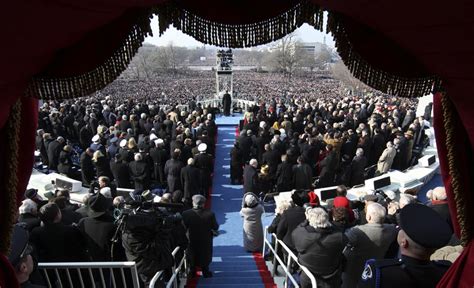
{"x": 184, "y": 86}
{"x": 317, "y": 143}
{"x": 309, "y": 135}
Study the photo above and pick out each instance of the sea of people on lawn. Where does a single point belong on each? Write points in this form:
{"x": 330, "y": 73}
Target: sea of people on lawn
{"x": 308, "y": 135}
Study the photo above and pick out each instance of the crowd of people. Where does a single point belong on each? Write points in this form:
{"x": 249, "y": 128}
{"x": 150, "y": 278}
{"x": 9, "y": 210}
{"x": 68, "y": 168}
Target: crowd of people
{"x": 184, "y": 86}
{"x": 164, "y": 156}
{"x": 309, "y": 135}
{"x": 318, "y": 143}
{"x": 325, "y": 142}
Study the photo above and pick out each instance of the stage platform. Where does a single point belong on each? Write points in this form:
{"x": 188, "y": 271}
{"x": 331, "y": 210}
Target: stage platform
{"x": 232, "y": 120}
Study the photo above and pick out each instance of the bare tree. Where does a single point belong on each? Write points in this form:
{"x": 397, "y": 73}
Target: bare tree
{"x": 340, "y": 71}
{"x": 287, "y": 55}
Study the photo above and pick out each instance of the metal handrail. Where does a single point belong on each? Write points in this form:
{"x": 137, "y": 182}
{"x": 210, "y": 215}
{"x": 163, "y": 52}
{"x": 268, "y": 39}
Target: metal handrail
{"x": 76, "y": 267}
{"x": 173, "y": 280}
{"x": 291, "y": 257}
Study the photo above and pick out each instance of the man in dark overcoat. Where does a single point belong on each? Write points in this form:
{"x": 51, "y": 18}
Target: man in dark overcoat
{"x": 203, "y": 161}
{"x": 191, "y": 180}
{"x": 226, "y": 103}
{"x": 201, "y": 225}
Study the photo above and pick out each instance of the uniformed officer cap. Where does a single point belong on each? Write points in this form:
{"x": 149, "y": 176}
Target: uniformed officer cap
{"x": 424, "y": 226}
{"x": 19, "y": 245}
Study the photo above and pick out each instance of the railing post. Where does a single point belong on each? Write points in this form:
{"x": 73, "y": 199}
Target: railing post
{"x": 274, "y": 261}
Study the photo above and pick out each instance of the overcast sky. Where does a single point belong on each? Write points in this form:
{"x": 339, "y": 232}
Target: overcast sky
{"x": 306, "y": 33}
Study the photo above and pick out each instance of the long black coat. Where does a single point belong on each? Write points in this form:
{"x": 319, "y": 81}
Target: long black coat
{"x": 204, "y": 162}
{"x": 284, "y": 177}
{"x": 272, "y": 159}
{"x": 87, "y": 169}
{"x": 65, "y": 163}
{"x": 199, "y": 224}
{"x": 102, "y": 167}
{"x": 302, "y": 176}
{"x": 236, "y": 164}
{"x": 250, "y": 179}
{"x": 290, "y": 219}
{"x": 226, "y": 103}
{"x": 58, "y": 243}
{"x": 159, "y": 157}
{"x": 98, "y": 233}
{"x": 173, "y": 174}
{"x": 191, "y": 180}
{"x": 54, "y": 148}
{"x": 139, "y": 173}
{"x": 121, "y": 173}
{"x": 357, "y": 170}
{"x": 328, "y": 169}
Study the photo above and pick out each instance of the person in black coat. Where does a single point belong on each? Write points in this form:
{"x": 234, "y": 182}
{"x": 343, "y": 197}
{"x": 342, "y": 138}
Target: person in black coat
{"x": 328, "y": 168}
{"x": 378, "y": 146}
{"x": 271, "y": 158}
{"x": 319, "y": 246}
{"x": 121, "y": 172}
{"x": 246, "y": 143}
{"x": 54, "y": 148}
{"x": 139, "y": 172}
{"x": 85, "y": 136}
{"x": 68, "y": 215}
{"x": 40, "y": 146}
{"x": 87, "y": 167}
{"x": 302, "y": 175}
{"x": 357, "y": 168}
{"x": 236, "y": 164}
{"x": 159, "y": 156}
{"x": 29, "y": 214}
{"x": 173, "y": 172}
{"x": 251, "y": 177}
{"x": 291, "y": 218}
{"x": 98, "y": 229}
{"x": 284, "y": 175}
{"x": 56, "y": 242}
{"x": 204, "y": 162}
{"x": 201, "y": 225}
{"x": 226, "y": 103}
{"x": 65, "y": 162}
{"x": 102, "y": 165}
{"x": 191, "y": 179}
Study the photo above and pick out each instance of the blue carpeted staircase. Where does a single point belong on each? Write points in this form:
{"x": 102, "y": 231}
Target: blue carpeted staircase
{"x": 232, "y": 266}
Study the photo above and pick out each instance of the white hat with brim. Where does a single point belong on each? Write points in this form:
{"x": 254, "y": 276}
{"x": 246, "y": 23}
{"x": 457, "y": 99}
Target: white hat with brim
{"x": 123, "y": 143}
{"x": 202, "y": 147}
{"x": 96, "y": 138}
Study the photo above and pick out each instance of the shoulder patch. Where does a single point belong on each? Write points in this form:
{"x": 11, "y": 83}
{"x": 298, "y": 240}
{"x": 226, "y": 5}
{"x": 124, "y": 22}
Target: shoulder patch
{"x": 367, "y": 273}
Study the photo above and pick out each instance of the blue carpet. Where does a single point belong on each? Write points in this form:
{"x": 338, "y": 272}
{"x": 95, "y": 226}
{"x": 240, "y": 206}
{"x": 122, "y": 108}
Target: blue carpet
{"x": 232, "y": 266}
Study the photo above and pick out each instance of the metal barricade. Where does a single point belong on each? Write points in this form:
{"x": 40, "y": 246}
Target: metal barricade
{"x": 286, "y": 266}
{"x": 84, "y": 274}
{"x": 173, "y": 281}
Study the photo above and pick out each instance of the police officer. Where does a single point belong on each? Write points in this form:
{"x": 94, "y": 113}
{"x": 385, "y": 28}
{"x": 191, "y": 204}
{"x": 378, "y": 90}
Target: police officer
{"x": 20, "y": 257}
{"x": 422, "y": 232}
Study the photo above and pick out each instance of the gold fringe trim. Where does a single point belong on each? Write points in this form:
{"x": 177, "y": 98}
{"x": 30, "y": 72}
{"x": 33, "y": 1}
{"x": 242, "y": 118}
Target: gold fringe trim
{"x": 374, "y": 77}
{"x": 50, "y": 88}
{"x": 240, "y": 36}
{"x": 453, "y": 164}
{"x": 9, "y": 205}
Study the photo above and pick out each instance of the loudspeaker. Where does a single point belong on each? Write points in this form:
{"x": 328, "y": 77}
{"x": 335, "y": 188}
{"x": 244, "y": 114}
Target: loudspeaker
{"x": 427, "y": 160}
{"x": 68, "y": 184}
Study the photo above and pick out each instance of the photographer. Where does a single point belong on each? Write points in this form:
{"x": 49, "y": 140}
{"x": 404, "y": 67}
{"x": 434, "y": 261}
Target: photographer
{"x": 101, "y": 185}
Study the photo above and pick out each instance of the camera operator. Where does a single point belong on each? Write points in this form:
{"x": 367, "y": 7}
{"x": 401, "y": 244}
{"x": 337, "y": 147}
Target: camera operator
{"x": 146, "y": 236}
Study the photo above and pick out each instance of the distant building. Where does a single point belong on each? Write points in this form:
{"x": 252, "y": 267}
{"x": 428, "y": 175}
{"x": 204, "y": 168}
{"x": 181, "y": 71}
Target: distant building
{"x": 313, "y": 47}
